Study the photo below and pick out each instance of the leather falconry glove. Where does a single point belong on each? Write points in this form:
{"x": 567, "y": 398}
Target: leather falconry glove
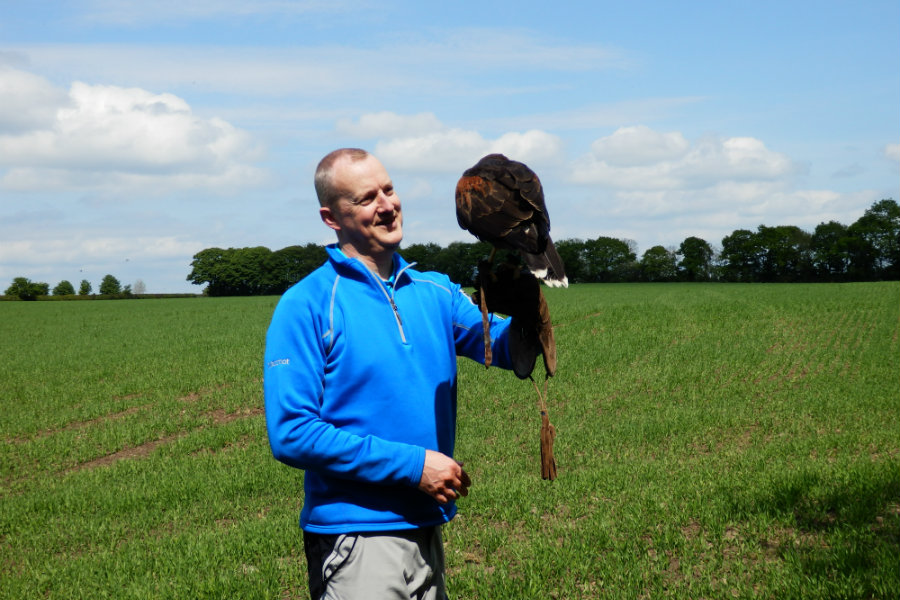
{"x": 513, "y": 291}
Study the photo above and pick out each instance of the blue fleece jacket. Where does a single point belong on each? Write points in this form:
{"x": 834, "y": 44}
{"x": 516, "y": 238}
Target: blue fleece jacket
{"x": 360, "y": 378}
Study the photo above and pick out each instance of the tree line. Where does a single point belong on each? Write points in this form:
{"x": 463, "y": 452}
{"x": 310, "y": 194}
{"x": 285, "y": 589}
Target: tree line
{"x": 869, "y": 249}
{"x": 25, "y": 289}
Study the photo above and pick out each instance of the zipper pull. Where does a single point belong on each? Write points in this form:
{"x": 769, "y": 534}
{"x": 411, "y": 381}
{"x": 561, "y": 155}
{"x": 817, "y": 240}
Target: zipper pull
{"x": 396, "y": 312}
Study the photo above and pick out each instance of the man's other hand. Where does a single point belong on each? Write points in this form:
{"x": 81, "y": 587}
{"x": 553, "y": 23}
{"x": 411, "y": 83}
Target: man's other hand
{"x": 443, "y": 478}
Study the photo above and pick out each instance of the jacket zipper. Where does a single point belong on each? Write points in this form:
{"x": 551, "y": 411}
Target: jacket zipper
{"x": 396, "y": 313}
{"x": 390, "y": 298}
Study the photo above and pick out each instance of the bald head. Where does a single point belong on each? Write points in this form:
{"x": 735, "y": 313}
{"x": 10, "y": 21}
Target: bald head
{"x": 326, "y": 190}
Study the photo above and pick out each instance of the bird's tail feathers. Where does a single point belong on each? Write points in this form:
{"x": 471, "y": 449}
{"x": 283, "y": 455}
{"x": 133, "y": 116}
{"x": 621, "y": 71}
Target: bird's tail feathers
{"x": 548, "y": 267}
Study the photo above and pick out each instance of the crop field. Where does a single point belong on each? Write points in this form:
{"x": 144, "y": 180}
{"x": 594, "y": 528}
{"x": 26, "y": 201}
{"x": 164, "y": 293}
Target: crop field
{"x": 713, "y": 441}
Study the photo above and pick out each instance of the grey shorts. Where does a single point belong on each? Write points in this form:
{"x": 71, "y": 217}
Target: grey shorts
{"x": 381, "y": 565}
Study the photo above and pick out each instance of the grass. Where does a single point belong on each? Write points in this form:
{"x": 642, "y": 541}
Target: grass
{"x": 713, "y": 441}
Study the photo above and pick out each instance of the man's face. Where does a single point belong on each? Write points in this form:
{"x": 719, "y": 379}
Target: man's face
{"x": 367, "y": 218}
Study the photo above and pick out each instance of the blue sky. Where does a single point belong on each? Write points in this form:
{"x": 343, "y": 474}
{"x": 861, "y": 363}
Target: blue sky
{"x": 135, "y": 134}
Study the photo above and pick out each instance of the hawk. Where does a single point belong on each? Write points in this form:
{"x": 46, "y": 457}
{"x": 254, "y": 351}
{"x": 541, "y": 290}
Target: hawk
{"x": 501, "y": 202}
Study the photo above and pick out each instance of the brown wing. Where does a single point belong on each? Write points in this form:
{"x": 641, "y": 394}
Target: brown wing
{"x": 501, "y": 202}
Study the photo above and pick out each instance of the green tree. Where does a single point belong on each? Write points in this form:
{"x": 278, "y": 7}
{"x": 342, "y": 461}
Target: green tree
{"x": 244, "y": 271}
{"x": 784, "y": 252}
{"x": 85, "y": 288}
{"x": 740, "y": 256}
{"x": 459, "y": 260}
{"x": 426, "y": 256}
{"x": 878, "y": 247}
{"x": 25, "y": 289}
{"x": 696, "y": 262}
{"x": 609, "y": 260}
{"x": 572, "y": 253}
{"x": 110, "y": 286}
{"x": 291, "y": 264}
{"x": 207, "y": 268}
{"x": 830, "y": 248}
{"x": 254, "y": 277}
{"x": 658, "y": 264}
{"x": 64, "y": 288}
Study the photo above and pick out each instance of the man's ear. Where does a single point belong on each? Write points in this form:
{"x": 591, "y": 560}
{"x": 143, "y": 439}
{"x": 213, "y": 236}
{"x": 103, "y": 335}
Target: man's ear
{"x": 327, "y": 217}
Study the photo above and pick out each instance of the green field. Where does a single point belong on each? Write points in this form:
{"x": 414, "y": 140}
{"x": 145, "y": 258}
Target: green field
{"x": 714, "y": 441}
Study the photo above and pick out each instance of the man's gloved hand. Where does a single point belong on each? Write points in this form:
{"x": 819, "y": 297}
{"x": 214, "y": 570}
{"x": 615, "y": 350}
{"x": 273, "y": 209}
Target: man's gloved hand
{"x": 509, "y": 289}
{"x": 513, "y": 291}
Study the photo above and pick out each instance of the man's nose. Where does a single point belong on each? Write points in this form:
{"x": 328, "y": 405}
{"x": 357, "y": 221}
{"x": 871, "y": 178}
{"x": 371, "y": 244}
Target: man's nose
{"x": 384, "y": 202}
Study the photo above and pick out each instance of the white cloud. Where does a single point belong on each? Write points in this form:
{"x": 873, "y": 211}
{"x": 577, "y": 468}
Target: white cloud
{"x": 892, "y": 151}
{"x": 640, "y": 158}
{"x": 442, "y": 149}
{"x": 639, "y": 145}
{"x": 29, "y": 102}
{"x": 100, "y": 136}
{"x": 660, "y": 188}
{"x": 533, "y": 146}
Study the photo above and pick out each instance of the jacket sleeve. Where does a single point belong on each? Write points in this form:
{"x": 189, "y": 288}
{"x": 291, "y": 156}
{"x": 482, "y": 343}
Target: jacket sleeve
{"x": 469, "y": 328}
{"x": 294, "y": 367}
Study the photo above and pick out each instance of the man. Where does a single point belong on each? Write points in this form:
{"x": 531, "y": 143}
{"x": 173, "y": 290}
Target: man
{"x": 360, "y": 392}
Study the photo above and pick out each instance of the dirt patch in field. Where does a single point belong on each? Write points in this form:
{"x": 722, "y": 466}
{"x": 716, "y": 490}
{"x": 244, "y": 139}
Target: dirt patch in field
{"x": 218, "y": 417}
{"x": 192, "y": 397}
{"x": 75, "y": 425}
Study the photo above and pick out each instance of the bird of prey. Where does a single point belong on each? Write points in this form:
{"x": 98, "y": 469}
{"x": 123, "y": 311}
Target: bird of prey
{"x": 501, "y": 202}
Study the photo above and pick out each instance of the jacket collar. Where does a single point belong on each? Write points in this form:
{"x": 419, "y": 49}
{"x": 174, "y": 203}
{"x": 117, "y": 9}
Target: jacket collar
{"x": 342, "y": 263}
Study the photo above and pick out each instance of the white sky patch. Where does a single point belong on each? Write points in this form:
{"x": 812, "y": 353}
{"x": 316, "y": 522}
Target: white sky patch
{"x": 134, "y": 12}
{"x": 390, "y": 124}
{"x": 448, "y": 62}
{"x": 114, "y": 137}
{"x": 492, "y": 48}
{"x": 418, "y": 188}
{"x": 85, "y": 249}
